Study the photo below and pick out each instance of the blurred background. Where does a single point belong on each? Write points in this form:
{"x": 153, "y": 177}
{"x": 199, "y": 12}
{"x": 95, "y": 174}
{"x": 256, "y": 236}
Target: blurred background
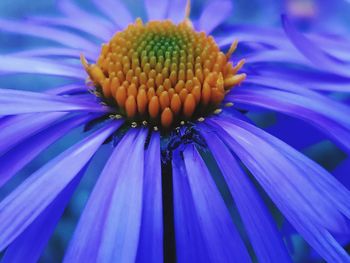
{"x": 321, "y": 16}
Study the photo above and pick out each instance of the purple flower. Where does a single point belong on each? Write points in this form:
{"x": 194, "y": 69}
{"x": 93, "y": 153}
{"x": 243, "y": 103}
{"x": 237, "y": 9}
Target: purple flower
{"x": 160, "y": 195}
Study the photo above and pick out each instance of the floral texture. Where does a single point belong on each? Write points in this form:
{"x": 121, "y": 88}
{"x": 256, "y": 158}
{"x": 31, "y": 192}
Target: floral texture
{"x": 176, "y": 110}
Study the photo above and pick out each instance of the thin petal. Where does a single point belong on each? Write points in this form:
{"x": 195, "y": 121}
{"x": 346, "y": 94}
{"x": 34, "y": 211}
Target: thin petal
{"x": 27, "y": 150}
{"x": 30, "y": 244}
{"x": 151, "y": 236}
{"x": 19, "y": 209}
{"x": 83, "y": 24}
{"x": 177, "y": 10}
{"x": 309, "y": 208}
{"x": 113, "y": 212}
{"x": 215, "y": 13}
{"x": 156, "y": 9}
{"x": 329, "y": 116}
{"x": 222, "y": 241}
{"x": 311, "y": 50}
{"x": 289, "y": 187}
{"x": 263, "y": 234}
{"x": 18, "y": 128}
{"x": 116, "y": 11}
{"x": 21, "y": 102}
{"x": 55, "y": 52}
{"x": 59, "y": 36}
{"x": 187, "y": 230}
{"x": 15, "y": 65}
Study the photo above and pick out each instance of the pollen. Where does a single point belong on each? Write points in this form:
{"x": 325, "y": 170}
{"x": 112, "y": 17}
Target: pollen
{"x": 163, "y": 73}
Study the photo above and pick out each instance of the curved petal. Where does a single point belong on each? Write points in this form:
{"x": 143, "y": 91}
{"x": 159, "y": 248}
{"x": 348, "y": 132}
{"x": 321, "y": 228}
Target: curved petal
{"x": 18, "y": 128}
{"x": 156, "y": 9}
{"x": 263, "y": 234}
{"x": 20, "y": 208}
{"x": 329, "y": 116}
{"x": 15, "y": 159}
{"x": 15, "y": 65}
{"x": 59, "y": 36}
{"x": 55, "y": 52}
{"x": 315, "y": 54}
{"x": 21, "y": 102}
{"x": 113, "y": 212}
{"x": 30, "y": 244}
{"x": 299, "y": 195}
{"x": 150, "y": 247}
{"x": 214, "y": 14}
{"x": 71, "y": 10}
{"x": 115, "y": 11}
{"x": 80, "y": 23}
{"x": 220, "y": 238}
{"x": 177, "y": 10}
{"x": 187, "y": 229}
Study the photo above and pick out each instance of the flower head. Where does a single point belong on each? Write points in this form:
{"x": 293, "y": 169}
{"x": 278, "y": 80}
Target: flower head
{"x": 169, "y": 99}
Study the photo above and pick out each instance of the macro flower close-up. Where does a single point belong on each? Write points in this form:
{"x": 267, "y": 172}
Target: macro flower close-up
{"x": 174, "y": 131}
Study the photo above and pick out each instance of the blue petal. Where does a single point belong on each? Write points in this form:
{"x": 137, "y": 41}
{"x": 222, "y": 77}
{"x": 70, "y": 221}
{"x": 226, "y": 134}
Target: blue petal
{"x": 16, "y": 129}
{"x": 21, "y": 102}
{"x": 57, "y": 35}
{"x": 221, "y": 239}
{"x": 329, "y": 116}
{"x": 177, "y": 10}
{"x": 311, "y": 50}
{"x": 72, "y": 10}
{"x": 56, "y": 52}
{"x": 263, "y": 234}
{"x": 302, "y": 195}
{"x": 187, "y": 230}
{"x": 115, "y": 11}
{"x": 29, "y": 245}
{"x": 282, "y": 178}
{"x": 15, "y": 65}
{"x": 27, "y": 150}
{"x": 215, "y": 13}
{"x": 113, "y": 212}
{"x": 151, "y": 236}
{"x": 85, "y": 25}
{"x": 156, "y": 9}
{"x": 19, "y": 209}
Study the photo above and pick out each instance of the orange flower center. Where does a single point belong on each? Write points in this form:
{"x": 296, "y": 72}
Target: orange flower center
{"x": 162, "y": 73}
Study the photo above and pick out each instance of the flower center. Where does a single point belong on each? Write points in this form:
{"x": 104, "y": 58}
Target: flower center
{"x": 162, "y": 73}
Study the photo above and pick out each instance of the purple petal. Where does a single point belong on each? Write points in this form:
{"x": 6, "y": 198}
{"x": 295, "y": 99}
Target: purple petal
{"x": 116, "y": 11}
{"x": 68, "y": 89}
{"x": 28, "y": 149}
{"x": 18, "y": 128}
{"x": 15, "y": 65}
{"x": 298, "y": 194}
{"x": 30, "y": 244}
{"x": 220, "y": 236}
{"x": 188, "y": 233}
{"x": 156, "y": 9}
{"x": 53, "y": 52}
{"x": 263, "y": 234}
{"x": 312, "y": 51}
{"x": 285, "y": 183}
{"x": 85, "y": 25}
{"x": 329, "y": 116}
{"x": 150, "y": 247}
{"x": 21, "y": 102}
{"x": 177, "y": 10}
{"x": 215, "y": 13}
{"x": 19, "y": 209}
{"x": 59, "y": 36}
{"x": 113, "y": 212}
{"x": 72, "y": 10}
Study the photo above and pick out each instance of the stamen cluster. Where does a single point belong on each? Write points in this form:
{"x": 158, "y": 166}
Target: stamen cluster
{"x": 162, "y": 73}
